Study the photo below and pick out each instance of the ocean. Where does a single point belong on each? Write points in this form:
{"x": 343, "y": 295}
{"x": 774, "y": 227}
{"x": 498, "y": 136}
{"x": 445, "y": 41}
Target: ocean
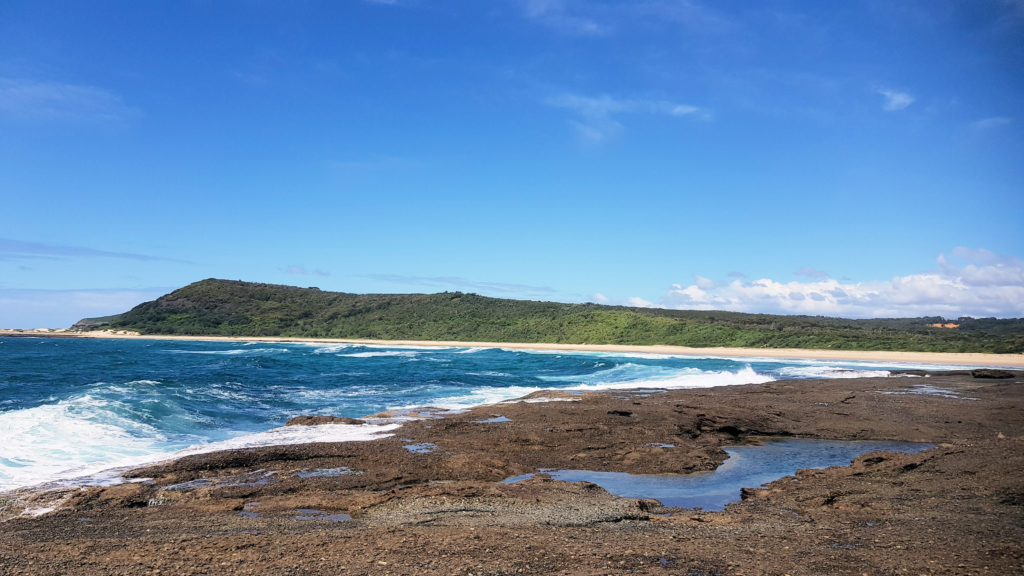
{"x": 75, "y": 410}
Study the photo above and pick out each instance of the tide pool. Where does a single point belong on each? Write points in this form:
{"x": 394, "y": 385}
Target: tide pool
{"x": 747, "y": 467}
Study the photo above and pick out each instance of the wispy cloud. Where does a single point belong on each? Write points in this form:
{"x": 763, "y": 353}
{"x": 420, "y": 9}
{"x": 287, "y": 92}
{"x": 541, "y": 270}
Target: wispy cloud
{"x": 992, "y": 122}
{"x": 20, "y": 250}
{"x": 809, "y": 272}
{"x": 967, "y": 283}
{"x": 559, "y": 15}
{"x": 598, "y": 19}
{"x": 596, "y": 115}
{"x": 37, "y": 101}
{"x": 639, "y": 302}
{"x": 605, "y": 105}
{"x": 895, "y": 100}
{"x": 303, "y": 271}
{"x": 697, "y": 17}
{"x": 461, "y": 284}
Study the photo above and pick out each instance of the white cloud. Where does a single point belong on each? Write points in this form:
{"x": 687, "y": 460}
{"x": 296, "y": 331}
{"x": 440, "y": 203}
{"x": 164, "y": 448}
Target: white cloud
{"x": 605, "y": 105}
{"x": 990, "y": 123}
{"x": 557, "y": 15}
{"x": 589, "y": 18}
{"x": 597, "y": 130}
{"x": 303, "y": 271}
{"x": 34, "y": 101}
{"x": 597, "y": 114}
{"x": 600, "y": 298}
{"x": 683, "y": 110}
{"x": 968, "y": 282}
{"x": 982, "y": 267}
{"x": 589, "y": 106}
{"x": 704, "y": 283}
{"x": 639, "y": 302}
{"x": 895, "y": 101}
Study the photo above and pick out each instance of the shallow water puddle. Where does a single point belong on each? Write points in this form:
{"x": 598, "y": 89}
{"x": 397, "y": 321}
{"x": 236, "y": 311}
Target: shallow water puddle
{"x": 422, "y": 448}
{"x": 248, "y": 510}
{"x": 256, "y": 478}
{"x": 747, "y": 467}
{"x": 496, "y": 419}
{"x": 328, "y": 472}
{"x": 308, "y": 514}
{"x": 926, "y": 390}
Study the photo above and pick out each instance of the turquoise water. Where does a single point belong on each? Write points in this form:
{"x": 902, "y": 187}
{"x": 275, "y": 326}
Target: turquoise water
{"x": 75, "y": 407}
{"x": 747, "y": 467}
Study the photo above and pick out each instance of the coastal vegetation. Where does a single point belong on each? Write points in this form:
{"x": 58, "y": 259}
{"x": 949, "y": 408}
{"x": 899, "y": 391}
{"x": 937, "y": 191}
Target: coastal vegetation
{"x": 235, "y": 308}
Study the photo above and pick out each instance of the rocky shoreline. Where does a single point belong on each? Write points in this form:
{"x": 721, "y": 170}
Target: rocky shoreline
{"x": 430, "y": 499}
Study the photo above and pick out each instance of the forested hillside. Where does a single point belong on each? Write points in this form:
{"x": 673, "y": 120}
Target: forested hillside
{"x": 234, "y": 308}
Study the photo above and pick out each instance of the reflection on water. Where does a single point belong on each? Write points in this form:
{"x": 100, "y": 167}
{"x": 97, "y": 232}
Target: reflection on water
{"x": 747, "y": 466}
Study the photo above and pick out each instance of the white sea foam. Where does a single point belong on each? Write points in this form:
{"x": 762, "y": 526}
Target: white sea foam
{"x": 143, "y": 382}
{"x": 645, "y": 377}
{"x": 381, "y": 354}
{"x": 690, "y": 378}
{"x": 622, "y": 373}
{"x": 829, "y": 372}
{"x": 331, "y": 349}
{"x": 321, "y": 348}
{"x": 543, "y": 399}
{"x": 426, "y": 348}
{"x": 84, "y": 441}
{"x": 852, "y": 364}
{"x": 287, "y": 435}
{"x": 421, "y": 347}
{"x": 605, "y": 354}
{"x": 233, "y": 352}
{"x": 336, "y": 394}
{"x": 74, "y": 437}
{"x": 478, "y": 397}
{"x": 237, "y": 396}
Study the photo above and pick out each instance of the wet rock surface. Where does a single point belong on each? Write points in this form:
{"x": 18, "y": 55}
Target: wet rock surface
{"x": 318, "y": 420}
{"x": 382, "y": 509}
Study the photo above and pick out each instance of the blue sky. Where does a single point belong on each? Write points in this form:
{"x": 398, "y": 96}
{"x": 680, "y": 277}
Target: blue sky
{"x": 863, "y": 158}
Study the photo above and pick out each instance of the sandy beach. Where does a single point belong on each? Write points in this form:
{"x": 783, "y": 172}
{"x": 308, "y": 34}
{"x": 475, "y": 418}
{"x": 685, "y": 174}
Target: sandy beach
{"x": 937, "y": 358}
{"x": 381, "y": 507}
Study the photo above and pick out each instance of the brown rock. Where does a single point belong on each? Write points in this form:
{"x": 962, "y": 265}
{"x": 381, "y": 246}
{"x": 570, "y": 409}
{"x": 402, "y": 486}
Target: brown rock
{"x": 991, "y": 373}
{"x": 318, "y": 420}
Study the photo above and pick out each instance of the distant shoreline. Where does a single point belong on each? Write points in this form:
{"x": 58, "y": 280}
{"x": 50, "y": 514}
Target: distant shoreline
{"x": 939, "y": 358}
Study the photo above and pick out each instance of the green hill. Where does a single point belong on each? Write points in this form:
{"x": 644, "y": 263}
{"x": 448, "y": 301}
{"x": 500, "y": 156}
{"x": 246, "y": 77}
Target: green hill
{"x": 234, "y": 308}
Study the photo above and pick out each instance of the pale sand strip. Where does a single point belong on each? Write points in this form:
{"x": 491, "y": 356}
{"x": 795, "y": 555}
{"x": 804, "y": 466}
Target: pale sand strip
{"x": 941, "y": 358}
